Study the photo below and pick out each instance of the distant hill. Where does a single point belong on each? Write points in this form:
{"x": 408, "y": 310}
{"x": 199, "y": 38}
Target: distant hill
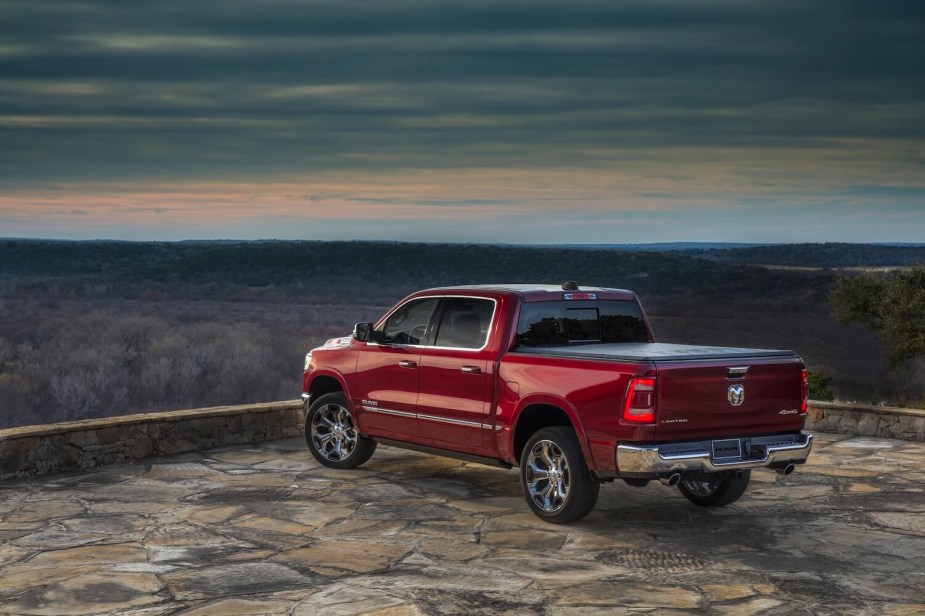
{"x": 369, "y": 268}
{"x": 832, "y": 255}
{"x": 93, "y": 328}
{"x": 654, "y": 247}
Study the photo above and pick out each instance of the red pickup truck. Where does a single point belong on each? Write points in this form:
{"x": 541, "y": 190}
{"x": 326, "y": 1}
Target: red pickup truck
{"x": 565, "y": 382}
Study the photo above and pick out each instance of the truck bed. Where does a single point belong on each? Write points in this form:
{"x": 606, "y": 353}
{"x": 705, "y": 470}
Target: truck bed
{"x": 652, "y": 351}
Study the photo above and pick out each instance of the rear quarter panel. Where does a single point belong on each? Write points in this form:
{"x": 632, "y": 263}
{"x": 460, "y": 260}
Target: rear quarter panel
{"x": 590, "y": 392}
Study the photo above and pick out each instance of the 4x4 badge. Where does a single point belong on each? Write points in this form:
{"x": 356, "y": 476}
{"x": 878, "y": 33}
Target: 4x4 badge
{"x": 736, "y": 395}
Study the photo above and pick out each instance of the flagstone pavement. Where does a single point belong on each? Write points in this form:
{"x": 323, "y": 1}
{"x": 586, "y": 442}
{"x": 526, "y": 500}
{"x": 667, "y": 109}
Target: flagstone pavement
{"x": 266, "y": 530}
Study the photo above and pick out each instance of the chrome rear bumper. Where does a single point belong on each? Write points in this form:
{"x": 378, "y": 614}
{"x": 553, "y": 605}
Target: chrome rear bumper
{"x": 754, "y": 452}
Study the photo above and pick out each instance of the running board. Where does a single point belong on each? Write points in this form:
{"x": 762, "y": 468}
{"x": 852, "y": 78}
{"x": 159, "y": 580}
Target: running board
{"x": 446, "y": 453}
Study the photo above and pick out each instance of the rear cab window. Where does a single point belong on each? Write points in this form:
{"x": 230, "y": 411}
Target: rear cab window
{"x": 560, "y": 323}
{"x": 464, "y": 323}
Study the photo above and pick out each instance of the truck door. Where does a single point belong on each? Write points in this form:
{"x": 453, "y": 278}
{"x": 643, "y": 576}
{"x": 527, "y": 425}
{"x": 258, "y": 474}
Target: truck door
{"x": 387, "y": 374}
{"x": 454, "y": 395}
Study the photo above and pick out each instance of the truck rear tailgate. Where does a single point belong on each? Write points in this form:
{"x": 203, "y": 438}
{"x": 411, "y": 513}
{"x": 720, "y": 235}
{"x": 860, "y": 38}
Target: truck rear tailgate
{"x": 738, "y": 396}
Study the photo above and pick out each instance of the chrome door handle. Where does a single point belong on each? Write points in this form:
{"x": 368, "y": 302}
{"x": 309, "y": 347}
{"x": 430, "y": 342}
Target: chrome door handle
{"x": 471, "y": 369}
{"x": 408, "y": 364}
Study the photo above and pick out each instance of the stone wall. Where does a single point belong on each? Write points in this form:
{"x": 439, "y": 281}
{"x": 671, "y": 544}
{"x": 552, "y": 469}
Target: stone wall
{"x": 37, "y": 450}
{"x": 861, "y": 420}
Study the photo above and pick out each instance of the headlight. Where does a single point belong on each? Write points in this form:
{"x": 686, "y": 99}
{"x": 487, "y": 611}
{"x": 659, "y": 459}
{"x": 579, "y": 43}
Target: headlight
{"x": 308, "y": 360}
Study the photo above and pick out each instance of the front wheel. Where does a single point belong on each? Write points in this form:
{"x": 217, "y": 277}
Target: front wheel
{"x": 332, "y": 435}
{"x": 716, "y": 492}
{"x": 556, "y": 481}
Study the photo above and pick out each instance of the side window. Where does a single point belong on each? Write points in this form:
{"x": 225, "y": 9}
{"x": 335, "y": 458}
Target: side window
{"x": 465, "y": 323}
{"x": 408, "y": 324}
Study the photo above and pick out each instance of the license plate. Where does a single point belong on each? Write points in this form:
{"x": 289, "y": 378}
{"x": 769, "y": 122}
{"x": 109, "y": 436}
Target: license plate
{"x": 726, "y": 449}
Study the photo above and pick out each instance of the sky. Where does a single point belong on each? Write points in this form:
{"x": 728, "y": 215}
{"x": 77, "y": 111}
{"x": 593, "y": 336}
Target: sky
{"x": 579, "y": 121}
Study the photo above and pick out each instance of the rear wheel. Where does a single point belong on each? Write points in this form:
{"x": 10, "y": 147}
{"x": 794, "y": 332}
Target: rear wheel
{"x": 332, "y": 435}
{"x": 715, "y": 492}
{"x": 556, "y": 481}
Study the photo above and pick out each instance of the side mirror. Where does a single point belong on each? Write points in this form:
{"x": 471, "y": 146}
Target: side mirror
{"x": 361, "y": 331}
{"x": 364, "y": 332}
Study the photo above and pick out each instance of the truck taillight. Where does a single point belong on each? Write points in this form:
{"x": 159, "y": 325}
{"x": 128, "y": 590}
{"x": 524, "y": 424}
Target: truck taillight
{"x": 804, "y": 393}
{"x": 639, "y": 406}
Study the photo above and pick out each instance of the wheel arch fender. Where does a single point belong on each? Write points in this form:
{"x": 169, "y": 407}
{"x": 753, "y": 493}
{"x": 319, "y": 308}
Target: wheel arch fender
{"x": 540, "y": 411}
{"x": 325, "y": 381}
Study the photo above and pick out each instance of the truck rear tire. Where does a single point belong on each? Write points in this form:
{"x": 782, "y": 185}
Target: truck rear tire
{"x": 556, "y": 481}
{"x": 716, "y": 493}
{"x": 332, "y": 435}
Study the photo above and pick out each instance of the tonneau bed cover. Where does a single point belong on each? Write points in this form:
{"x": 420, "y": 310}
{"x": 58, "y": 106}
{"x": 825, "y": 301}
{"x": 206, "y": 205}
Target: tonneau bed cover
{"x": 652, "y": 351}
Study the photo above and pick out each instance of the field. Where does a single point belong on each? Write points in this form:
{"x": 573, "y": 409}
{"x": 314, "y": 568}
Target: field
{"x": 107, "y": 328}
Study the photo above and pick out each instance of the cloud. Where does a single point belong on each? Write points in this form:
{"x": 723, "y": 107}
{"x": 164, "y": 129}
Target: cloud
{"x": 591, "y": 105}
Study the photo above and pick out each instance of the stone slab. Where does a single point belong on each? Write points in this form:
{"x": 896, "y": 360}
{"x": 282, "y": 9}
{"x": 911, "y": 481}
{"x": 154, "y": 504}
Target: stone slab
{"x": 179, "y": 534}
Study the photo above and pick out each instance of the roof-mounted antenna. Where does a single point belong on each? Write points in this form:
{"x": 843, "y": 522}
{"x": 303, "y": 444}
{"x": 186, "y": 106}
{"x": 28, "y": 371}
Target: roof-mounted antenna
{"x": 569, "y": 285}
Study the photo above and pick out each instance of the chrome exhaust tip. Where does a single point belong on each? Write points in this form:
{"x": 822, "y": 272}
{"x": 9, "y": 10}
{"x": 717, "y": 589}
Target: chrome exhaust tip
{"x": 671, "y": 480}
{"x": 785, "y": 469}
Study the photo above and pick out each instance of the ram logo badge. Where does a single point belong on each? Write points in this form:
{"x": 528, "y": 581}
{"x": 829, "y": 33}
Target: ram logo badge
{"x": 736, "y": 395}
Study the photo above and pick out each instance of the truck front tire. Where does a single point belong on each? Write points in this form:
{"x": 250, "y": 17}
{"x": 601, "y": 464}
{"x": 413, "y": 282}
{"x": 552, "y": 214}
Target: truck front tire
{"x": 556, "y": 481}
{"x": 332, "y": 435}
{"x": 716, "y": 492}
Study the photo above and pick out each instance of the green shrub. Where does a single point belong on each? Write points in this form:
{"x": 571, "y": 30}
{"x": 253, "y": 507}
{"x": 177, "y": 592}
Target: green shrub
{"x": 818, "y": 387}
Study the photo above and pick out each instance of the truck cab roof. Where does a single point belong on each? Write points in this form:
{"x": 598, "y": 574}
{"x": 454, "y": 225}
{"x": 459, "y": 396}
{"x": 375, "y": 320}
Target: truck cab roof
{"x": 533, "y": 292}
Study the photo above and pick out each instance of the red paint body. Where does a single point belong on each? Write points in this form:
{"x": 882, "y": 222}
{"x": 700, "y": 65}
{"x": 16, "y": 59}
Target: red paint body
{"x": 421, "y": 395}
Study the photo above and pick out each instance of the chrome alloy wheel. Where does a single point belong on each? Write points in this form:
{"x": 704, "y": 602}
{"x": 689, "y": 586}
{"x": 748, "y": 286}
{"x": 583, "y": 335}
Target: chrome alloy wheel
{"x": 701, "y": 488}
{"x": 547, "y": 476}
{"x": 333, "y": 433}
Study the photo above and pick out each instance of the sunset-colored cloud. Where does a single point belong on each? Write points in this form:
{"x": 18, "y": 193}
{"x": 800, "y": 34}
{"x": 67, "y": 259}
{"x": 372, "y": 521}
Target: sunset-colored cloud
{"x": 661, "y": 120}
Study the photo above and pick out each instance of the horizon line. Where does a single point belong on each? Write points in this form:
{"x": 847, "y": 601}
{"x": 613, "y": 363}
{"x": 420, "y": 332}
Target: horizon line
{"x": 688, "y": 243}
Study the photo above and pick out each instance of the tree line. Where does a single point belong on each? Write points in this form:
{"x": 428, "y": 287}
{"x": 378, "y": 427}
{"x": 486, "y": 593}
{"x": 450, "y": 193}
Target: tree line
{"x": 108, "y": 328}
{"x": 825, "y": 255}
